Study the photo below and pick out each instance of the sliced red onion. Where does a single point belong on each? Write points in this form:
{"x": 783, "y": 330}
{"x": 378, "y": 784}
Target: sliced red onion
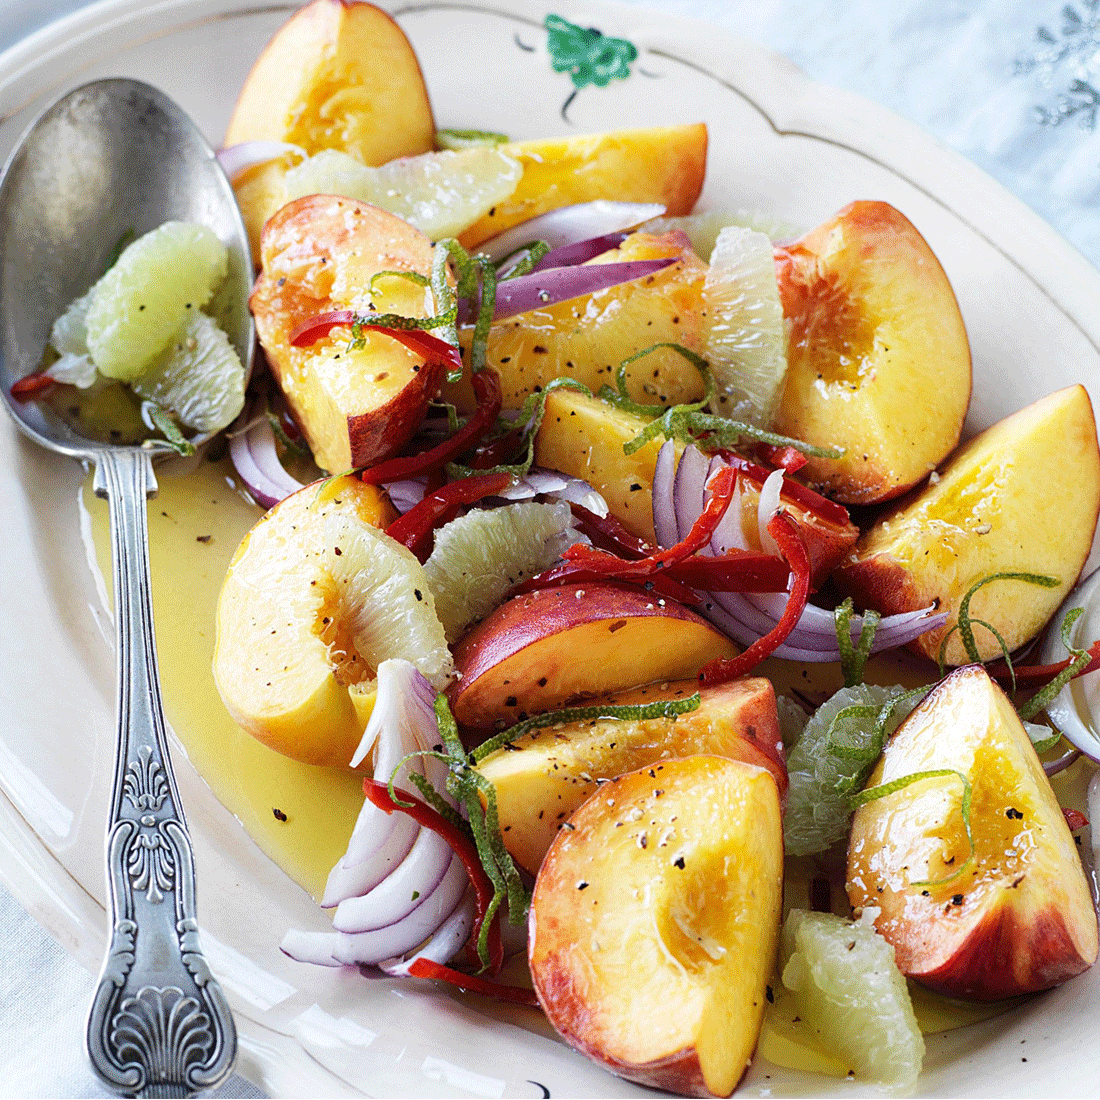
{"x": 1069, "y": 757}
{"x": 678, "y": 501}
{"x": 311, "y": 947}
{"x": 444, "y": 945}
{"x": 729, "y": 534}
{"x": 548, "y": 288}
{"x": 569, "y": 224}
{"x": 402, "y": 722}
{"x": 689, "y": 490}
{"x": 540, "y": 482}
{"x": 770, "y": 494}
{"x": 664, "y": 515}
{"x": 406, "y": 494}
{"x": 234, "y": 159}
{"x": 581, "y": 252}
{"x": 399, "y": 893}
{"x": 256, "y": 460}
{"x": 411, "y": 931}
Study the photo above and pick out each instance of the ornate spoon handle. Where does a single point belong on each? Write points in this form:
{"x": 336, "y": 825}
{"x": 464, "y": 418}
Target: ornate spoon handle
{"x": 159, "y": 1024}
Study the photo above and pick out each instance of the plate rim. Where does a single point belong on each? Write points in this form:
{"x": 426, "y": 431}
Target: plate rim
{"x": 901, "y": 147}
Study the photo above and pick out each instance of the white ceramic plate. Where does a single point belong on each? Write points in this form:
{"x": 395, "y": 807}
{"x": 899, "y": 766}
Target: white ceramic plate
{"x": 779, "y": 143}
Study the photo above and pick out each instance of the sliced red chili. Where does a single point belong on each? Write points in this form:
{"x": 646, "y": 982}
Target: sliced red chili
{"x": 489, "y": 402}
{"x": 379, "y": 794}
{"x": 609, "y": 534}
{"x": 734, "y": 571}
{"x": 789, "y": 539}
{"x": 1028, "y": 675}
{"x": 822, "y": 507}
{"x": 415, "y": 339}
{"x": 502, "y": 451}
{"x": 425, "y": 968}
{"x": 787, "y": 458}
{"x": 414, "y": 529}
{"x": 721, "y": 486}
{"x": 31, "y": 385}
{"x": 1074, "y": 819}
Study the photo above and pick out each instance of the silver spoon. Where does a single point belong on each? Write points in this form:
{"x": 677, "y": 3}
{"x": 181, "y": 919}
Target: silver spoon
{"x": 110, "y": 159}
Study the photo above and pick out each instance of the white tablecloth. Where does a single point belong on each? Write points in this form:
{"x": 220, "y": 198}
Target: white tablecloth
{"x": 1012, "y": 84}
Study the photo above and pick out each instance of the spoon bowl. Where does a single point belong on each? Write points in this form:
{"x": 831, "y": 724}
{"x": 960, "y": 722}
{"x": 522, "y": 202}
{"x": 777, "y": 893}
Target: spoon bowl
{"x": 111, "y": 160}
{"x": 108, "y": 161}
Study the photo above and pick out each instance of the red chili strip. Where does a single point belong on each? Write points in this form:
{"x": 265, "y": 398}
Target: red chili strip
{"x": 735, "y": 571}
{"x": 721, "y": 486}
{"x": 425, "y": 968}
{"x": 1074, "y": 819}
{"x": 502, "y": 451}
{"x": 415, "y": 339}
{"x": 1027, "y": 675}
{"x": 609, "y": 534}
{"x": 414, "y": 529}
{"x": 660, "y": 584}
{"x": 489, "y": 401}
{"x": 787, "y": 535}
{"x": 795, "y": 491}
{"x": 31, "y": 385}
{"x": 379, "y": 794}
{"x": 789, "y": 458}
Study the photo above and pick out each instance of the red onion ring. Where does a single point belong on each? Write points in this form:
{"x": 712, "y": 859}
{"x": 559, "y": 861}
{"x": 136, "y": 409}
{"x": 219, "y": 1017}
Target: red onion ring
{"x": 547, "y": 288}
{"x": 581, "y": 252}
{"x": 570, "y": 224}
{"x": 256, "y": 459}
{"x": 234, "y": 159}
{"x": 311, "y": 947}
{"x": 411, "y": 931}
{"x": 448, "y": 940}
{"x": 403, "y": 721}
{"x": 399, "y": 893}
{"x": 745, "y": 617}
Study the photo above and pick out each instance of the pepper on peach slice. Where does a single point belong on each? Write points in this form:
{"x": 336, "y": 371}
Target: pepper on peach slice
{"x": 586, "y": 338}
{"x": 354, "y": 404}
{"x": 545, "y": 774}
{"x": 315, "y": 598}
{"x": 986, "y": 901}
{"x": 878, "y": 357}
{"x": 1022, "y": 497}
{"x": 337, "y": 75}
{"x": 655, "y": 920}
{"x": 540, "y": 651}
{"x": 584, "y": 436}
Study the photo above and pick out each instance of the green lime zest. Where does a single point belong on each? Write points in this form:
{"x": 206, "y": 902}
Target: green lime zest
{"x": 853, "y": 658}
{"x": 1045, "y": 695}
{"x": 964, "y": 623}
{"x": 689, "y": 423}
{"x": 529, "y": 254}
{"x": 162, "y": 420}
{"x": 531, "y": 415}
{"x": 873, "y": 794}
{"x": 628, "y": 712}
{"x": 457, "y": 140}
{"x": 468, "y": 787}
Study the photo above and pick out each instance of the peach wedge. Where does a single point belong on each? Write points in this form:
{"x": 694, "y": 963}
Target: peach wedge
{"x": 655, "y": 919}
{"x": 544, "y": 775}
{"x": 283, "y": 663}
{"x": 544, "y": 650}
{"x": 878, "y": 358}
{"x": 1006, "y": 912}
{"x": 1021, "y": 497}
{"x": 337, "y": 75}
{"x": 356, "y": 405}
{"x": 664, "y": 164}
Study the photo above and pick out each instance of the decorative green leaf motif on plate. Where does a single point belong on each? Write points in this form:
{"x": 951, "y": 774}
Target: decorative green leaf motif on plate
{"x": 589, "y": 56}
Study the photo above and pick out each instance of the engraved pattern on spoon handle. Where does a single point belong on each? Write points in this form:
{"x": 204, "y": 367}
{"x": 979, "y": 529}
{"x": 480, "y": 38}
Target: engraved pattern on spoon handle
{"x": 159, "y": 1024}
